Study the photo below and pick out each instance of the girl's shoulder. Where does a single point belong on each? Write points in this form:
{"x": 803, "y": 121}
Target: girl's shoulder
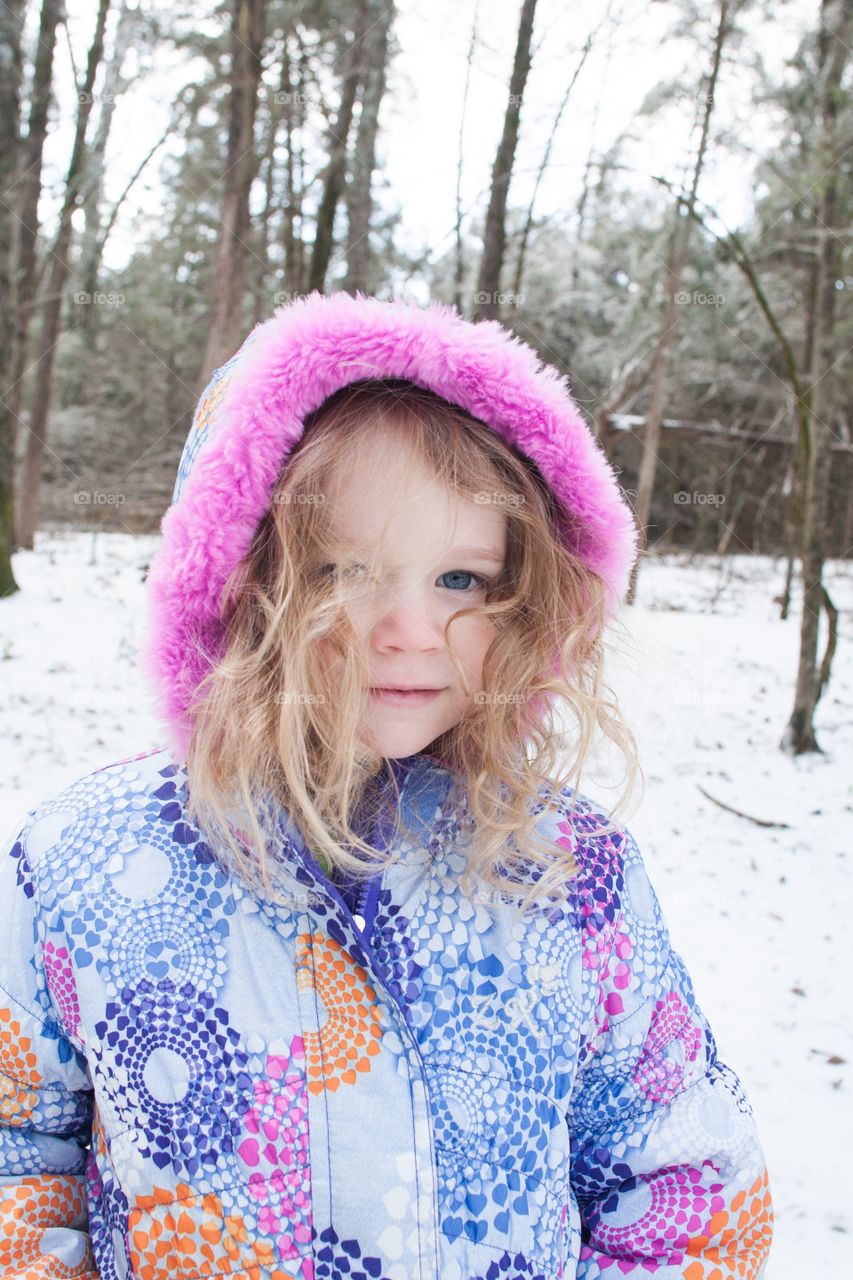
{"x": 95, "y": 817}
{"x": 611, "y": 867}
{"x": 607, "y": 865}
{"x": 582, "y": 825}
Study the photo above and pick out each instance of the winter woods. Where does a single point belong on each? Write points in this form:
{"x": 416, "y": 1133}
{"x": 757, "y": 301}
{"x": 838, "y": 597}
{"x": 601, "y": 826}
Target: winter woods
{"x": 657, "y": 197}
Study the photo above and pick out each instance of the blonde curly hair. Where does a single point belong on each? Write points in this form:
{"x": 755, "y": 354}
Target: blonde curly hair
{"x": 270, "y": 733}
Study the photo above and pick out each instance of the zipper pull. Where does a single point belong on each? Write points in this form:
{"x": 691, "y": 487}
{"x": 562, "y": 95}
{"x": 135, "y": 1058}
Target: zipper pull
{"x": 358, "y": 913}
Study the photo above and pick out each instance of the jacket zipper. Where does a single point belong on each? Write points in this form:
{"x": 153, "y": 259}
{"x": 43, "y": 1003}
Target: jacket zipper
{"x": 358, "y": 914}
{"x": 371, "y": 889}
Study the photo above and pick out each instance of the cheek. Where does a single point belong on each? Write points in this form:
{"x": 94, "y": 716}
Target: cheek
{"x": 478, "y": 638}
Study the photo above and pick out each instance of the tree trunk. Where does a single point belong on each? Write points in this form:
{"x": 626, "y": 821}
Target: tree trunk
{"x": 487, "y": 299}
{"x": 289, "y": 102}
{"x": 794, "y": 524}
{"x": 836, "y": 21}
{"x": 360, "y": 265}
{"x": 262, "y": 298}
{"x": 586, "y": 181}
{"x": 666, "y": 342}
{"x": 458, "y": 262}
{"x": 296, "y": 163}
{"x": 57, "y": 277}
{"x": 11, "y": 30}
{"x": 92, "y": 190}
{"x": 336, "y": 168}
{"x": 293, "y": 101}
{"x": 543, "y": 166}
{"x": 791, "y": 487}
{"x": 226, "y": 315}
{"x": 30, "y": 189}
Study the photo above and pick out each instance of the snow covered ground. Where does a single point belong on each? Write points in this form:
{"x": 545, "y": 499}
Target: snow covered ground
{"x": 761, "y": 914}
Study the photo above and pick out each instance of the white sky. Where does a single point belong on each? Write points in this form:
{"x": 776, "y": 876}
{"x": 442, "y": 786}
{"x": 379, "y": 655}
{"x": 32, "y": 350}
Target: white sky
{"x": 421, "y": 113}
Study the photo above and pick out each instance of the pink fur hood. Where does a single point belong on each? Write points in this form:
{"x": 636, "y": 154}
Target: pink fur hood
{"x": 251, "y": 415}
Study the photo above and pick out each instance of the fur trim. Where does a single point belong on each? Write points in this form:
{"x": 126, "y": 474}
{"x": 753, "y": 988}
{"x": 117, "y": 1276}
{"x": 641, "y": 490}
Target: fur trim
{"x": 251, "y": 415}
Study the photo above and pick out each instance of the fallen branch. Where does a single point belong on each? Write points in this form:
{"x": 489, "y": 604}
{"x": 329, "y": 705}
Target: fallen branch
{"x": 759, "y": 822}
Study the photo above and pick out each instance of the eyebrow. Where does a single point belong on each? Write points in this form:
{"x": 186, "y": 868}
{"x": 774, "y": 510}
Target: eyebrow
{"x": 486, "y": 553}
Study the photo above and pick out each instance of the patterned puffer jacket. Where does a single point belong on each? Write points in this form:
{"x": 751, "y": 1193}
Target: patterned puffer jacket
{"x": 201, "y": 1079}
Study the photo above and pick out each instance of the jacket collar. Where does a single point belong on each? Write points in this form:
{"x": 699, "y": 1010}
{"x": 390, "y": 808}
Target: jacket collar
{"x": 424, "y": 788}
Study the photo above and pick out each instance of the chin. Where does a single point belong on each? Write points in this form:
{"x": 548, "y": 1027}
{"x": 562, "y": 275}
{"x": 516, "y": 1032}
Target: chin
{"x": 399, "y": 748}
{"x": 396, "y": 743}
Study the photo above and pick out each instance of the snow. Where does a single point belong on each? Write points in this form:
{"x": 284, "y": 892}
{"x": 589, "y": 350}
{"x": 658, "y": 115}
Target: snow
{"x": 760, "y": 914}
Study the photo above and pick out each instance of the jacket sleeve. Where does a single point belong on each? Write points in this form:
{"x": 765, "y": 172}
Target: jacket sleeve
{"x": 45, "y": 1094}
{"x": 667, "y": 1167}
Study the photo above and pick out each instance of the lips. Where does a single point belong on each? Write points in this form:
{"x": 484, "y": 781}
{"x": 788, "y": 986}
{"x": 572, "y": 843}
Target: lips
{"x": 412, "y": 697}
{"x": 405, "y": 688}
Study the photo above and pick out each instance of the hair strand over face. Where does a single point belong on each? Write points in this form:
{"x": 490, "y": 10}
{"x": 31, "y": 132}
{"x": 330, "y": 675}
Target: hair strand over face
{"x": 271, "y": 730}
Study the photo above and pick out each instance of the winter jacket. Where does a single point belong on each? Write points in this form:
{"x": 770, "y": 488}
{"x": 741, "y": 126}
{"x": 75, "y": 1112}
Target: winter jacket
{"x": 201, "y": 1079}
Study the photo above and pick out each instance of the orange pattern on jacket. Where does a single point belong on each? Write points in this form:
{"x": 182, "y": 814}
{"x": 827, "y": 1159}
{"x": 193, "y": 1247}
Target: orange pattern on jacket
{"x": 745, "y": 1232}
{"x": 178, "y": 1233}
{"x": 349, "y": 1038}
{"x": 30, "y": 1208}
{"x": 19, "y": 1078}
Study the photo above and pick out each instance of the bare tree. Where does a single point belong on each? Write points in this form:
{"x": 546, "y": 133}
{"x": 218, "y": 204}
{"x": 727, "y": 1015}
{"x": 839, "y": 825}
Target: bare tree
{"x": 30, "y": 184}
{"x": 11, "y": 28}
{"x": 676, "y": 254}
{"x": 226, "y": 316}
{"x": 836, "y": 33}
{"x": 586, "y": 181}
{"x": 360, "y": 269}
{"x": 58, "y": 271}
{"x": 543, "y": 164}
{"x": 292, "y": 87}
{"x": 110, "y": 219}
{"x": 338, "y": 141}
{"x": 458, "y": 264}
{"x": 261, "y": 302}
{"x": 814, "y": 434}
{"x": 92, "y": 188}
{"x": 487, "y": 302}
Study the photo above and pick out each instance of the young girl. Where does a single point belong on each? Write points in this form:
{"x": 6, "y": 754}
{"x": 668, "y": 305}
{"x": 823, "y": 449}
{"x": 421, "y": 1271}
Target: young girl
{"x": 347, "y": 980}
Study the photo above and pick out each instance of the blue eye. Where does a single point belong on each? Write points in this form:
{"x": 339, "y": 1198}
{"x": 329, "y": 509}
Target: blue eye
{"x": 479, "y": 581}
{"x": 463, "y": 573}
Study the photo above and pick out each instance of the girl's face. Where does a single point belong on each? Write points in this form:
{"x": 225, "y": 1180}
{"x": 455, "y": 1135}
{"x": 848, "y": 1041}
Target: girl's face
{"x": 439, "y": 550}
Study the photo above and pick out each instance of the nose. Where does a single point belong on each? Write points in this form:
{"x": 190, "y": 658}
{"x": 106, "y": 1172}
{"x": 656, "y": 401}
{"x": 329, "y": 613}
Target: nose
{"x": 405, "y": 620}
